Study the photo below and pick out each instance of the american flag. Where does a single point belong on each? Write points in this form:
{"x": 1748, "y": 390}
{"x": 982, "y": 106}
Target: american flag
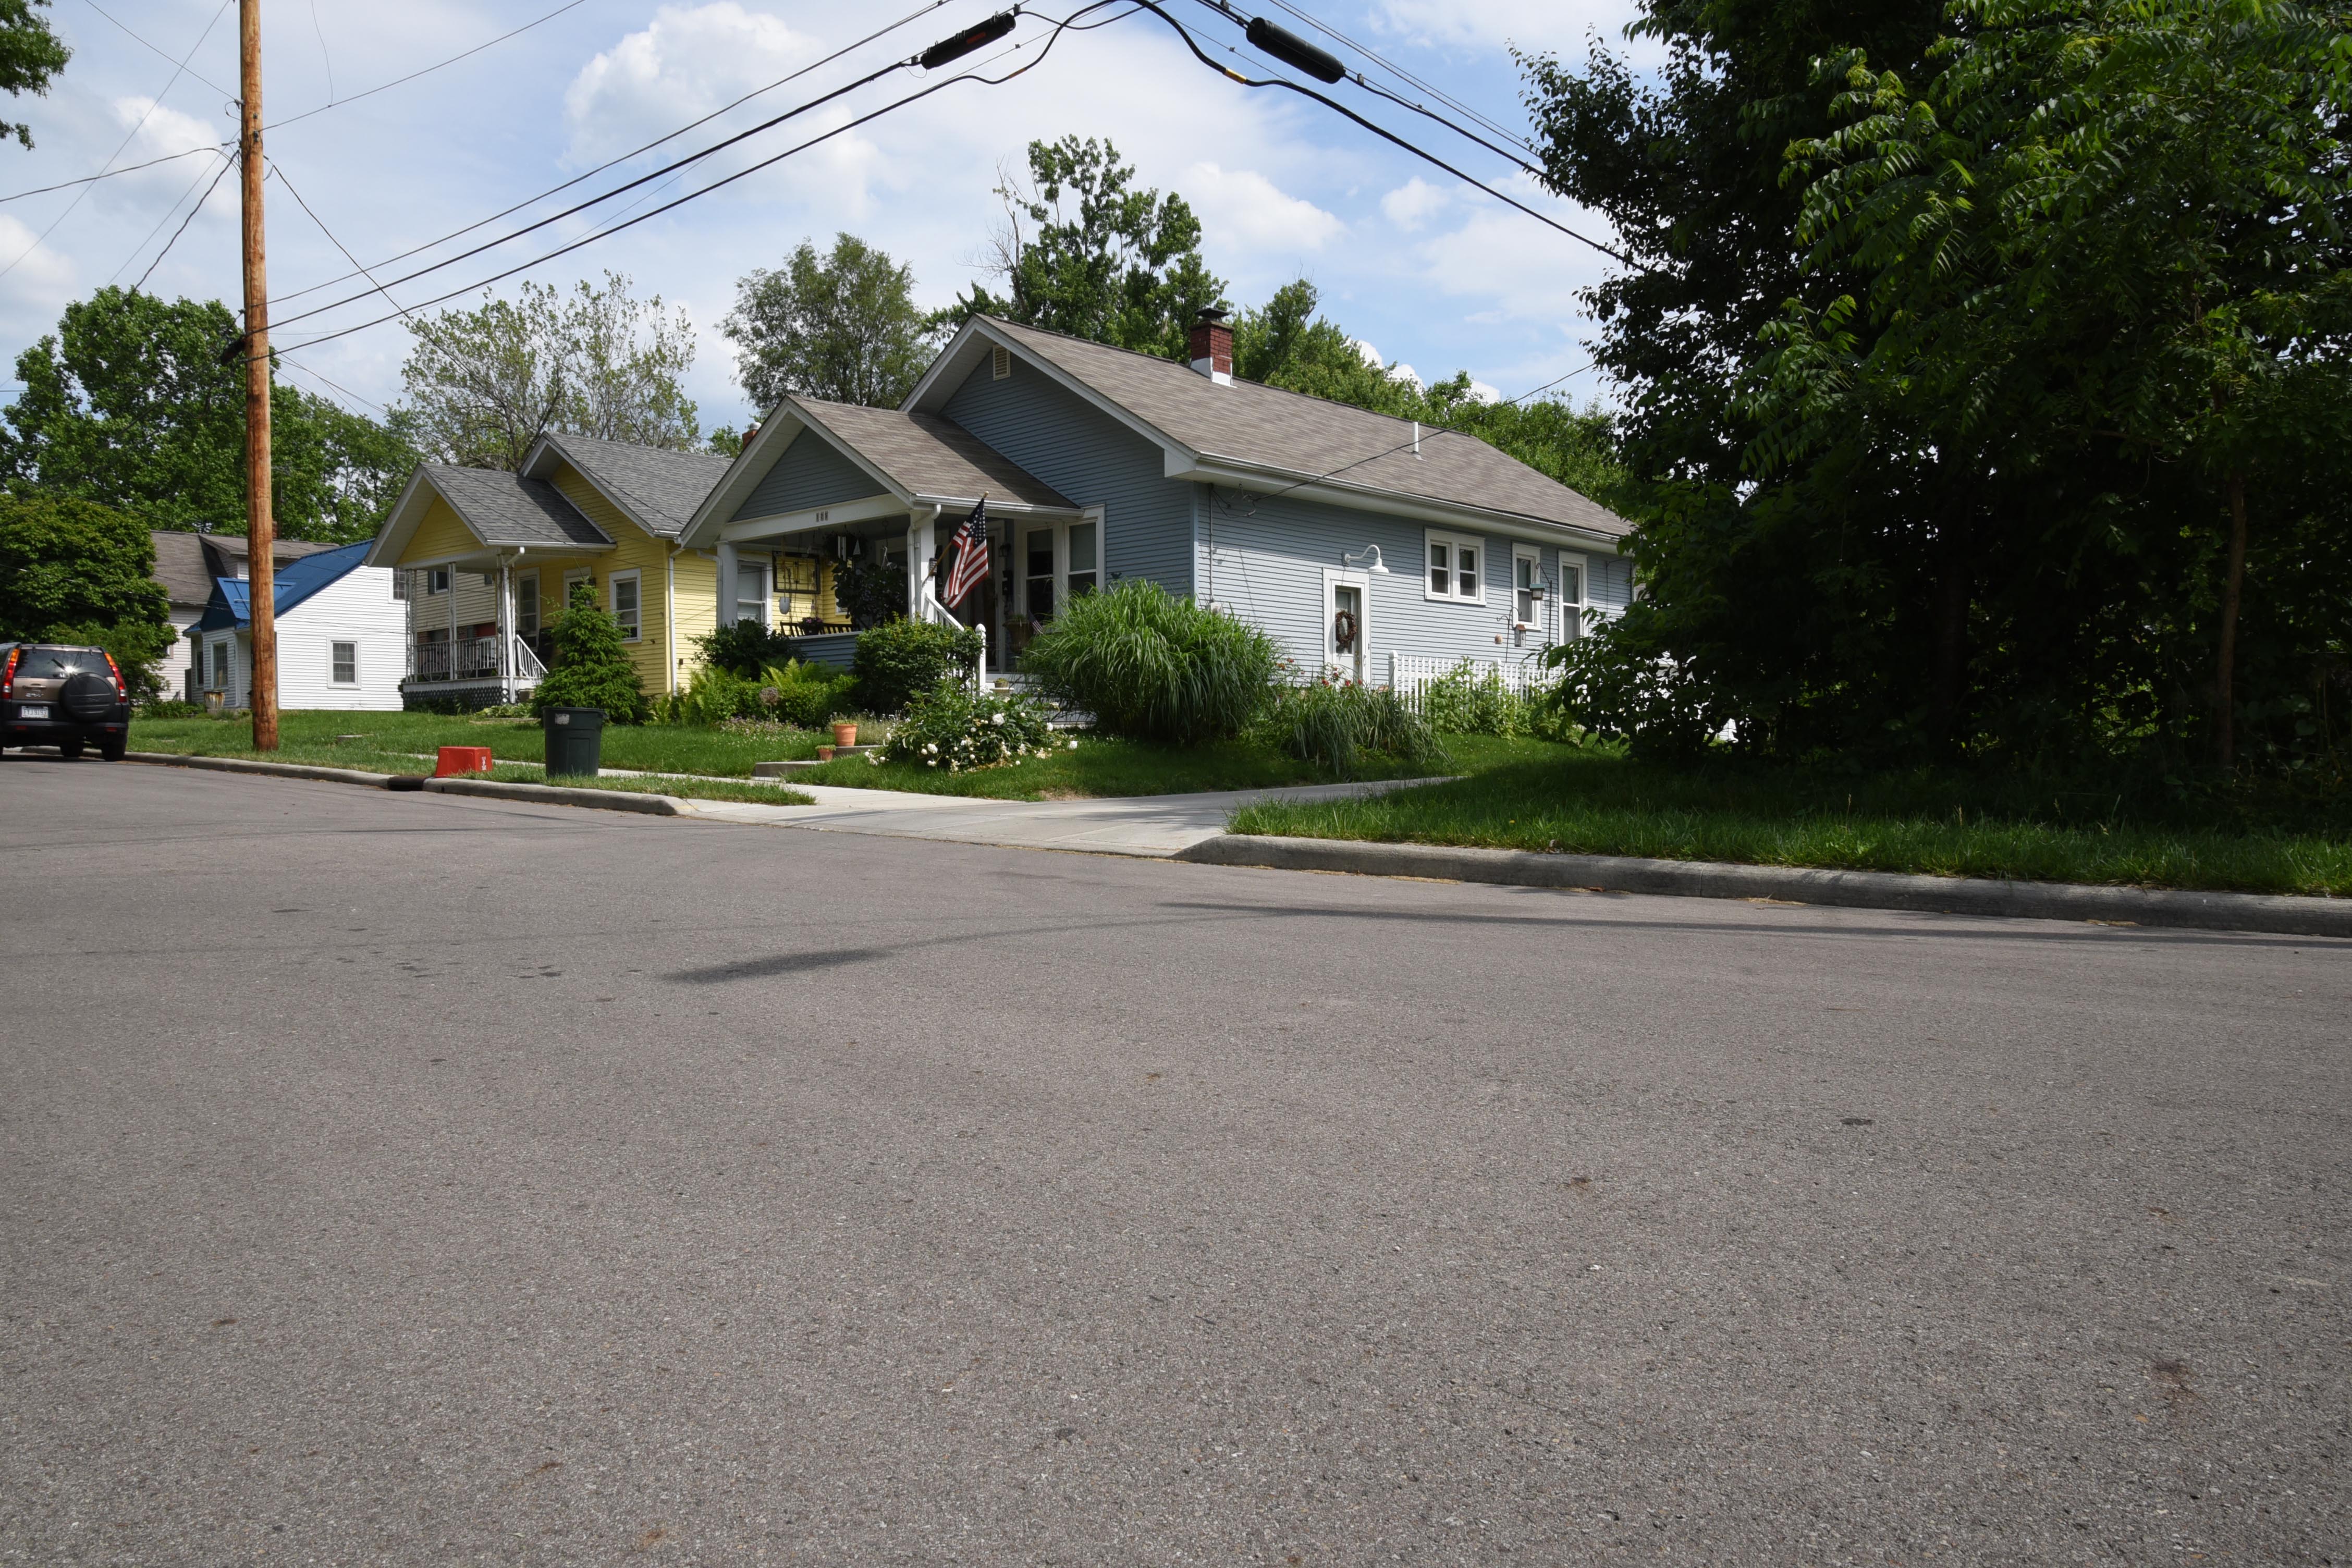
{"x": 971, "y": 557}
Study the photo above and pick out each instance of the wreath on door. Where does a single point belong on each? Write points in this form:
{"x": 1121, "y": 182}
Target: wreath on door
{"x": 1343, "y": 631}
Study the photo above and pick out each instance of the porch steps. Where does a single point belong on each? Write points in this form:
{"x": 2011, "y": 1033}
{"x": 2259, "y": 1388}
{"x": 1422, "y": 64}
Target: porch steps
{"x": 1059, "y": 715}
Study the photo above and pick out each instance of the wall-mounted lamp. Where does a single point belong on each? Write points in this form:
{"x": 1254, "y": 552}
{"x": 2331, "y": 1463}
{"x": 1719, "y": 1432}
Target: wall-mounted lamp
{"x": 1370, "y": 552}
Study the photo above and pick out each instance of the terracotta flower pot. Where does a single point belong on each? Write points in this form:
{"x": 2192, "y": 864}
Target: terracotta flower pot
{"x": 825, "y": 753}
{"x": 844, "y": 734}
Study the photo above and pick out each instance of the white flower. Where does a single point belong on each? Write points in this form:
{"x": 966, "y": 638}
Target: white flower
{"x": 996, "y": 718}
{"x": 931, "y": 746}
{"x": 931, "y": 763}
{"x": 1074, "y": 745}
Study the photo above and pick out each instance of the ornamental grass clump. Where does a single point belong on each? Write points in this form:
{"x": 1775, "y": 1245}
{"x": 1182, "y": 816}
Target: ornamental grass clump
{"x": 952, "y": 729}
{"x": 1153, "y": 667}
{"x": 1338, "y": 724}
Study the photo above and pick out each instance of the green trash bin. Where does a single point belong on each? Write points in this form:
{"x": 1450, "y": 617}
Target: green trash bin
{"x": 576, "y": 740}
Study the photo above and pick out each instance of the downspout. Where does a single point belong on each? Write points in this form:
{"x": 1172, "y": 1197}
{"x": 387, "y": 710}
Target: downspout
{"x": 669, "y": 612}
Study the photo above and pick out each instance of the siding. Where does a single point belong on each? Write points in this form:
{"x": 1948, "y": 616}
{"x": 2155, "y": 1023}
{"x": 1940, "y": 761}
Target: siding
{"x": 179, "y": 660}
{"x": 1092, "y": 458}
{"x": 1270, "y": 555}
{"x": 358, "y": 608}
{"x": 811, "y": 472}
{"x": 698, "y": 607}
{"x": 441, "y": 536}
{"x": 634, "y": 550}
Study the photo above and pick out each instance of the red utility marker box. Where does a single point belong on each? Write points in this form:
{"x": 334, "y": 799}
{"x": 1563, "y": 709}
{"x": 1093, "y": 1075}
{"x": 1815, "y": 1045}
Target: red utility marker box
{"x": 456, "y": 759}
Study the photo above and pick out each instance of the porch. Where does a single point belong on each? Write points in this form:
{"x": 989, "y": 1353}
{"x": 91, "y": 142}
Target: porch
{"x": 446, "y": 668}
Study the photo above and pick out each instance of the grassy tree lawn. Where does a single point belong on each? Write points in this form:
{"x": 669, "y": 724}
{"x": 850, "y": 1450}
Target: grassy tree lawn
{"x": 1107, "y": 767}
{"x": 1593, "y": 802}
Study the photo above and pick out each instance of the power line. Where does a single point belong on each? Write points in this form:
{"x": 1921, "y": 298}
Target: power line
{"x": 150, "y": 49}
{"x": 227, "y": 164}
{"x": 279, "y": 170}
{"x": 716, "y": 184}
{"x": 334, "y": 103}
{"x": 1379, "y": 131}
{"x": 668, "y": 136}
{"x": 1406, "y": 77}
{"x": 152, "y": 104}
{"x": 126, "y": 169}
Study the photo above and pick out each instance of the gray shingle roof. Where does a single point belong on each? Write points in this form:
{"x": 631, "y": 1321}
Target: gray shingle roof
{"x": 505, "y": 509}
{"x": 1264, "y": 426}
{"x": 926, "y": 455}
{"x": 659, "y": 487}
{"x": 186, "y": 563}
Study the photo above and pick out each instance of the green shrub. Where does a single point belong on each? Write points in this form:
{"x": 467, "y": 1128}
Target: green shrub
{"x": 170, "y": 709}
{"x": 900, "y": 661}
{"x": 951, "y": 727}
{"x": 1153, "y": 667}
{"x": 712, "y": 695}
{"x": 745, "y": 648}
{"x": 591, "y": 668}
{"x": 870, "y": 592}
{"x": 1338, "y": 724}
{"x": 1467, "y": 701}
{"x": 807, "y": 695}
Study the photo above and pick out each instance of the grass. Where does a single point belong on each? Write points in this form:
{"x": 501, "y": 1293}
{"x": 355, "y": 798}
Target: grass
{"x": 1107, "y": 768}
{"x": 1592, "y": 802}
{"x": 761, "y": 794}
{"x": 396, "y": 743}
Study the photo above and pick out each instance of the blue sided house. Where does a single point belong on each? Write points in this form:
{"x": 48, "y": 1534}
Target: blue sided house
{"x": 342, "y": 635}
{"x": 1372, "y": 549}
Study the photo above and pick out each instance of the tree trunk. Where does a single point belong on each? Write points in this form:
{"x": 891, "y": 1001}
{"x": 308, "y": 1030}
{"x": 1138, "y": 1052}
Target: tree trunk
{"x": 2225, "y": 675}
{"x": 1948, "y": 698}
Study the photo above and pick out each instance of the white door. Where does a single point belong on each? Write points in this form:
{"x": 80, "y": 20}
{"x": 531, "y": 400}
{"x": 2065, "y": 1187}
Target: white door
{"x": 1347, "y": 626}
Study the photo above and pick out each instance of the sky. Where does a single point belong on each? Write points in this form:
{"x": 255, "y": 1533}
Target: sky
{"x": 1428, "y": 269}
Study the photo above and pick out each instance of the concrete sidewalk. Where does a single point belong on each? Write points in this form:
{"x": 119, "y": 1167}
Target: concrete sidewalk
{"x": 1152, "y": 825}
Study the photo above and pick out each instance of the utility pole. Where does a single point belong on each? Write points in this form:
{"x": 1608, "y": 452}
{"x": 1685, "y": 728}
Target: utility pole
{"x": 261, "y": 529}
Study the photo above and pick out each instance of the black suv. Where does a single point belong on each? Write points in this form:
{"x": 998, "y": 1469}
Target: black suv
{"x": 55, "y": 695}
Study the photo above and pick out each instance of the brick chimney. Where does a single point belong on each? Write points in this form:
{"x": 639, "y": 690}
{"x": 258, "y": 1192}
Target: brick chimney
{"x": 1212, "y": 347}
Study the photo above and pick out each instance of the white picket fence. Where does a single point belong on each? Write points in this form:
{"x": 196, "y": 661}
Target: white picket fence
{"x": 1411, "y": 674}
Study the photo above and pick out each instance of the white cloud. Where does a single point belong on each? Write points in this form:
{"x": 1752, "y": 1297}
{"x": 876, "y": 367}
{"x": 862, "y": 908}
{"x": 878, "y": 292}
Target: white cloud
{"x": 1414, "y": 203}
{"x": 685, "y": 63}
{"x": 39, "y": 283}
{"x": 1481, "y": 393}
{"x": 1544, "y": 25}
{"x": 1243, "y": 206}
{"x": 1523, "y": 269}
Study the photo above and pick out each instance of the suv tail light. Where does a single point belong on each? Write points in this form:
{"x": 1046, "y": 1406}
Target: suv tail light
{"x": 121, "y": 693}
{"x": 8, "y": 675}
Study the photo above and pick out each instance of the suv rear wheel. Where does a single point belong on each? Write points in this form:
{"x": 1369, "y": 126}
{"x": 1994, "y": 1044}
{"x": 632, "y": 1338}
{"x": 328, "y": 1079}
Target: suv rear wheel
{"x": 69, "y": 749}
{"x": 114, "y": 746}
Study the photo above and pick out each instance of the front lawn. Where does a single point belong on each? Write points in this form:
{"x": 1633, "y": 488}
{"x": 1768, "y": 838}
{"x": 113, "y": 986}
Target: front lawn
{"x": 1597, "y": 803}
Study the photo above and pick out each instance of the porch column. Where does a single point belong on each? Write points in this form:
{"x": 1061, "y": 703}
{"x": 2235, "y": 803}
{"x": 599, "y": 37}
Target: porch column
{"x": 726, "y": 584}
{"x": 920, "y": 534}
{"x": 452, "y": 675}
{"x": 506, "y": 633}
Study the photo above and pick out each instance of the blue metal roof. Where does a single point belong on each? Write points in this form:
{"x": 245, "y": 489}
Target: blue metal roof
{"x": 232, "y": 600}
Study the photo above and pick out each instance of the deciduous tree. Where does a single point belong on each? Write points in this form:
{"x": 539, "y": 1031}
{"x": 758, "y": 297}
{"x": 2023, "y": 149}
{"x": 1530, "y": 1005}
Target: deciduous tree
{"x": 842, "y": 327}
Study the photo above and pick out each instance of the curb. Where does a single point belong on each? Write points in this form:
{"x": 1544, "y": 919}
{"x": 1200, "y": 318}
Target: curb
{"x": 2276, "y": 915}
{"x": 267, "y": 770}
{"x": 546, "y": 794}
{"x": 559, "y": 794}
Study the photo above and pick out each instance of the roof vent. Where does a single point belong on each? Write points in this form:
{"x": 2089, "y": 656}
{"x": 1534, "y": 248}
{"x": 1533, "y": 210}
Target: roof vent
{"x": 1212, "y": 347}
{"x": 1000, "y": 361}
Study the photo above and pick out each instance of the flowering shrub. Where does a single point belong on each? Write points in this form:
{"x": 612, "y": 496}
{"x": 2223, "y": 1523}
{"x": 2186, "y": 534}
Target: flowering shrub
{"x": 950, "y": 727}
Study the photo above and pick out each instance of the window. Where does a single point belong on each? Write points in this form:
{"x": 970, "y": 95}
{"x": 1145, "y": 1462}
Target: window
{"x": 526, "y": 590}
{"x": 400, "y": 585}
{"x": 625, "y": 610}
{"x": 1571, "y": 595}
{"x": 1000, "y": 362}
{"x": 222, "y": 663}
{"x": 751, "y": 590}
{"x": 1526, "y": 586}
{"x": 436, "y": 580}
{"x": 1054, "y": 562}
{"x": 576, "y": 575}
{"x": 346, "y": 655}
{"x": 200, "y": 666}
{"x": 1086, "y": 560}
{"x": 1454, "y": 561}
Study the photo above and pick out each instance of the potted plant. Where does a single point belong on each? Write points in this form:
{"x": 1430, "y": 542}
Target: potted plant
{"x": 845, "y": 732}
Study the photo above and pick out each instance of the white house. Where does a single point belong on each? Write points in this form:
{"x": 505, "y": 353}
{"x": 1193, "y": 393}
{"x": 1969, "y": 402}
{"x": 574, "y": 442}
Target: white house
{"x": 186, "y": 565}
{"x": 342, "y": 636}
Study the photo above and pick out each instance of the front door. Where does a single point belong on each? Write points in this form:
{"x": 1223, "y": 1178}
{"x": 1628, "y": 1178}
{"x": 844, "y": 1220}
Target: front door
{"x": 1347, "y": 651}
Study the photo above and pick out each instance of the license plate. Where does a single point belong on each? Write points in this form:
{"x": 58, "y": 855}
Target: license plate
{"x": 32, "y": 711}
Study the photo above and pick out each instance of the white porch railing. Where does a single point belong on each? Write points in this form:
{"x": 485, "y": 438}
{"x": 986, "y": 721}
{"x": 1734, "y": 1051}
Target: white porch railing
{"x": 474, "y": 659}
{"x": 940, "y": 613}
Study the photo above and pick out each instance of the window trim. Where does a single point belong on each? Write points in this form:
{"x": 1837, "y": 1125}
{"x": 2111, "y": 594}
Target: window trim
{"x": 445, "y": 577}
{"x": 1022, "y": 527}
{"x": 636, "y": 579}
{"x": 1526, "y": 553}
{"x": 335, "y": 662}
{"x": 1454, "y": 542}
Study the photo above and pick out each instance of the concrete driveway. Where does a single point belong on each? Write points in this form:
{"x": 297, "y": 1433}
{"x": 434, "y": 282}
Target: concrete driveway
{"x": 403, "y": 1179}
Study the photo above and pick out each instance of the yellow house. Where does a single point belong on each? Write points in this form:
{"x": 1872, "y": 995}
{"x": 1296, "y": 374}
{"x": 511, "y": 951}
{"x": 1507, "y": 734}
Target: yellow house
{"x": 486, "y": 559}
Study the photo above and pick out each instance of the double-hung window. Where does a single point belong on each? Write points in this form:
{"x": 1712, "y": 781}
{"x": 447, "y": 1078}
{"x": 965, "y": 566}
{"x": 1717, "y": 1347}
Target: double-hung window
{"x": 626, "y": 612}
{"x": 437, "y": 580}
{"x": 1059, "y": 561}
{"x": 1454, "y": 564}
{"x": 752, "y": 590}
{"x": 345, "y": 659}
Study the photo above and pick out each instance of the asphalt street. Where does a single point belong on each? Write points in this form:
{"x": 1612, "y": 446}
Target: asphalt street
{"x": 411, "y": 1179}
